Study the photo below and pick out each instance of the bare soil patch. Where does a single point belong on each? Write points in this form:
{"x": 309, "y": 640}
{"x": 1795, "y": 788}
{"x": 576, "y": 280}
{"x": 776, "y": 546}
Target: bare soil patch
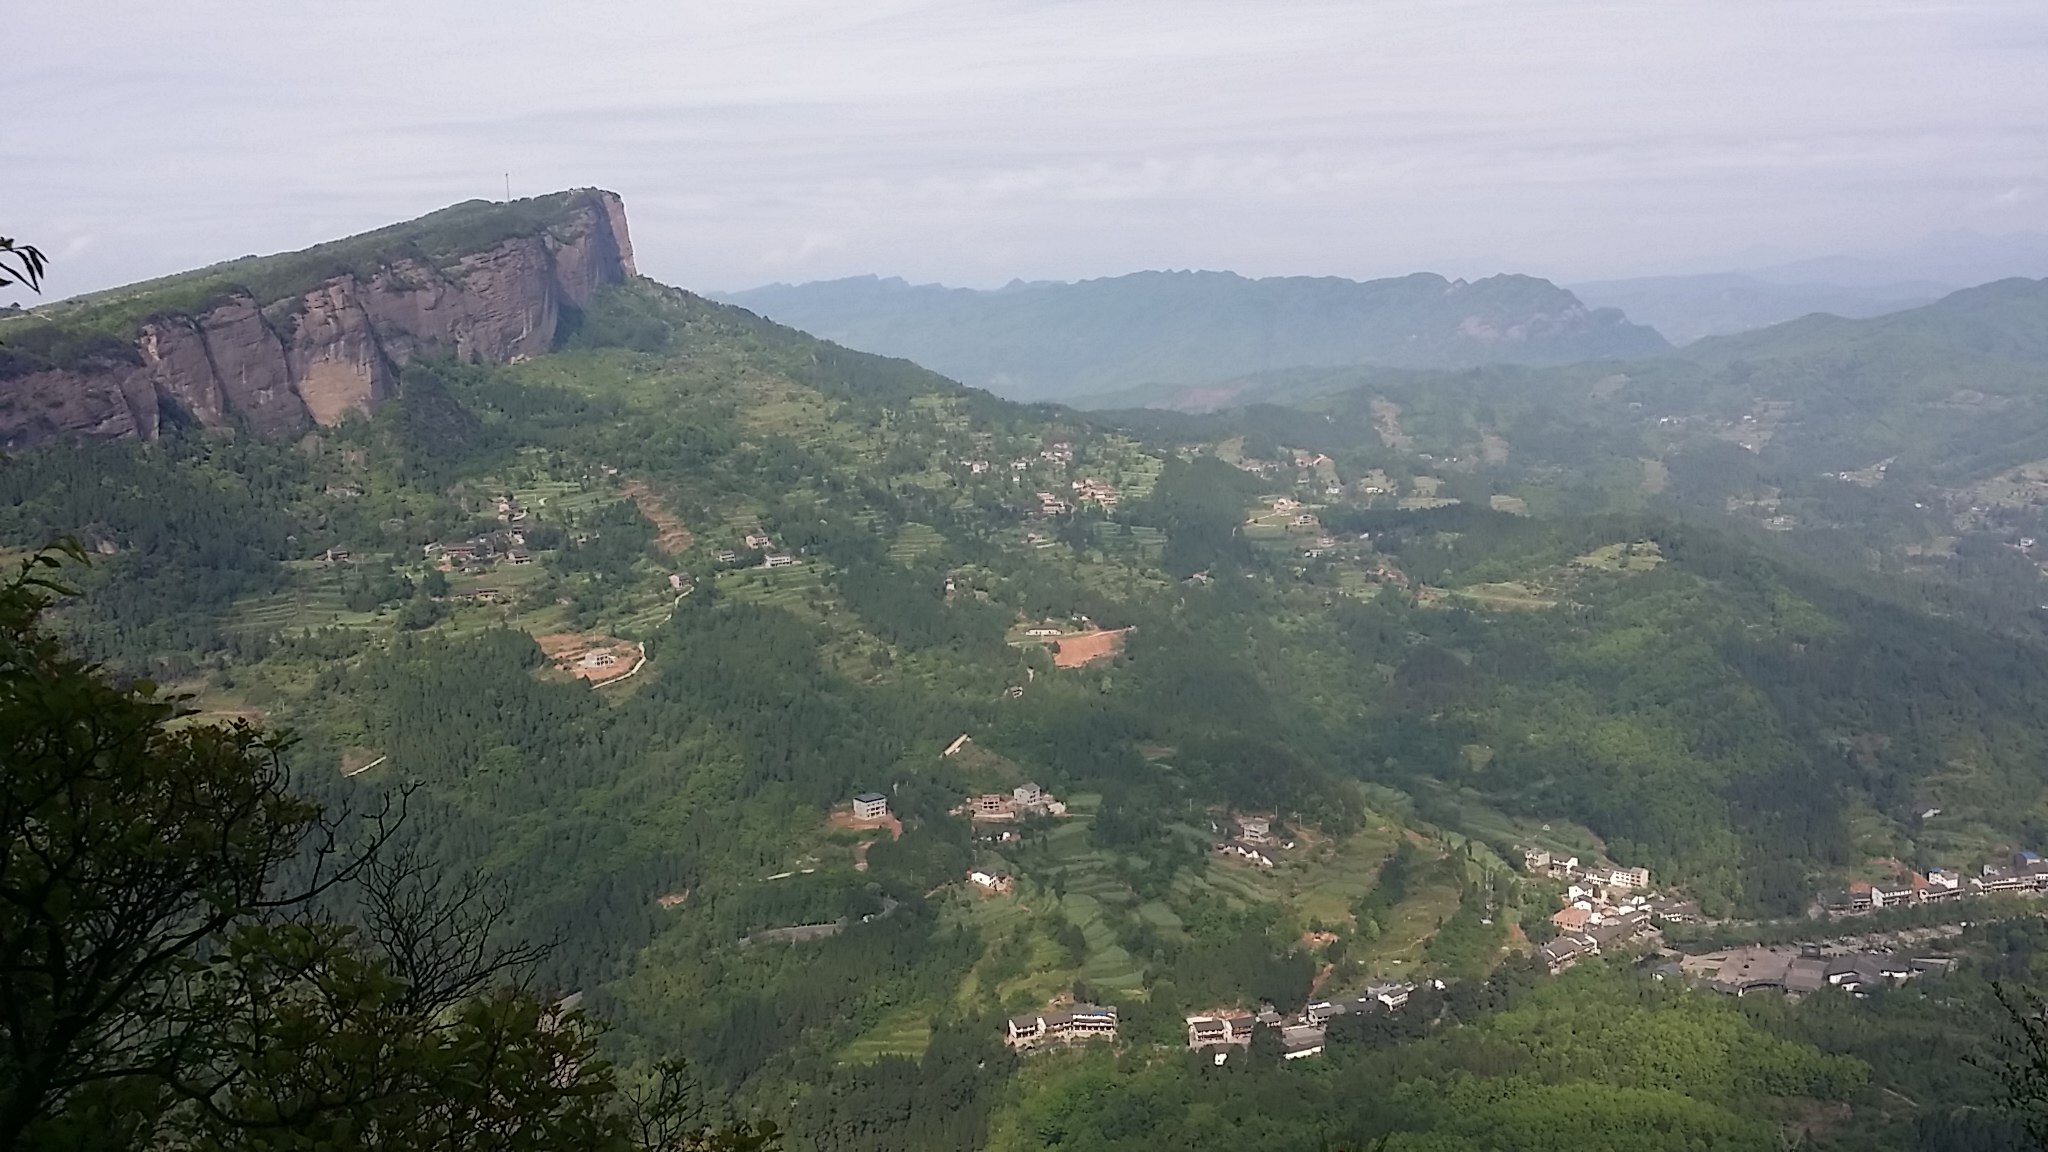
{"x": 1386, "y": 420}
{"x": 844, "y": 818}
{"x": 1081, "y": 648}
{"x": 589, "y": 656}
{"x": 670, "y": 534}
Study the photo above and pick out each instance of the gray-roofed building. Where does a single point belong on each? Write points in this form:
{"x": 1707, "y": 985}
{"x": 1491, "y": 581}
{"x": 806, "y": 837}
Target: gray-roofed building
{"x": 1806, "y": 974}
{"x": 1299, "y": 1040}
{"x": 1078, "y": 1022}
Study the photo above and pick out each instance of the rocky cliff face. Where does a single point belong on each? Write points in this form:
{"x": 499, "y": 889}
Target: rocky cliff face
{"x": 280, "y": 367}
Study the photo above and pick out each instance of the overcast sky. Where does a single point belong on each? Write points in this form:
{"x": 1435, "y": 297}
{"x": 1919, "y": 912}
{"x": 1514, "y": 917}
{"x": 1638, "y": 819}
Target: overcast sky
{"x": 971, "y": 143}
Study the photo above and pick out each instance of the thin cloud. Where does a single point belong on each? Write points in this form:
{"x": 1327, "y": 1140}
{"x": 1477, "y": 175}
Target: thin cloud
{"x": 972, "y": 143}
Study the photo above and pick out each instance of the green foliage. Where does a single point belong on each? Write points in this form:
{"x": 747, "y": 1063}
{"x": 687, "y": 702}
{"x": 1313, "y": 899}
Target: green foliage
{"x": 1200, "y": 505}
{"x": 173, "y": 978}
{"x": 1747, "y": 718}
{"x": 1594, "y": 1061}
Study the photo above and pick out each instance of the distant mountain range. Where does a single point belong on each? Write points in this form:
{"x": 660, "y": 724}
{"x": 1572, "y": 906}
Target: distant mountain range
{"x": 1687, "y": 308}
{"x": 1057, "y": 341}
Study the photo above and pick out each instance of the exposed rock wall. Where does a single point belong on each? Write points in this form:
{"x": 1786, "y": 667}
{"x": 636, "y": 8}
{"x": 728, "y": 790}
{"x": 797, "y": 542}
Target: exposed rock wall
{"x": 280, "y": 368}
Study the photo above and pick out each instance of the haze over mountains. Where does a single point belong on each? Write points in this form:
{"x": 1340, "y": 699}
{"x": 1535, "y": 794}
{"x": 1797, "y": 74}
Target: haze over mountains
{"x": 1116, "y": 337}
{"x": 1686, "y": 308}
{"x": 1055, "y": 341}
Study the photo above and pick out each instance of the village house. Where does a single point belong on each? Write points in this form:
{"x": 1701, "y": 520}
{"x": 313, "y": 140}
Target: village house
{"x": 1390, "y": 996}
{"x": 1566, "y": 951}
{"x": 1298, "y": 1041}
{"x": 725, "y": 556}
{"x": 870, "y": 806}
{"x": 1061, "y": 1026}
{"x": 779, "y": 560}
{"x": 756, "y": 541}
{"x": 1220, "y": 1030}
{"x": 1625, "y": 879}
{"x": 1572, "y": 919}
{"x": 1254, "y": 829}
{"x": 992, "y": 806}
{"x": 1672, "y": 910}
{"x": 991, "y": 882}
{"x": 1250, "y": 852}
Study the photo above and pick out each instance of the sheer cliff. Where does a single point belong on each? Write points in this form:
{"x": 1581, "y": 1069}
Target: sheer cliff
{"x": 277, "y": 344}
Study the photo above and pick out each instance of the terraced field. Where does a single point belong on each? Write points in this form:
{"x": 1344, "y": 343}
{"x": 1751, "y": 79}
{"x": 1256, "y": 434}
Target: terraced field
{"x": 312, "y": 600}
{"x": 904, "y": 1032}
{"x": 913, "y": 541}
{"x": 793, "y": 588}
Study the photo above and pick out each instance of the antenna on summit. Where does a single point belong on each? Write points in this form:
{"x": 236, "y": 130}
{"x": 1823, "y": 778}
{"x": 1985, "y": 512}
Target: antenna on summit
{"x": 508, "y": 187}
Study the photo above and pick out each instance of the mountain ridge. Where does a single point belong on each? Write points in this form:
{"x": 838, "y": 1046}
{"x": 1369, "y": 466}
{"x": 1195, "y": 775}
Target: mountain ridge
{"x": 1689, "y": 308}
{"x": 1054, "y": 340}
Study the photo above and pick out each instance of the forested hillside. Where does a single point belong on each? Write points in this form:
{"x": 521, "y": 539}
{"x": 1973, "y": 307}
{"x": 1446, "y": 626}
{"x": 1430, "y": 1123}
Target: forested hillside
{"x": 1226, "y": 711}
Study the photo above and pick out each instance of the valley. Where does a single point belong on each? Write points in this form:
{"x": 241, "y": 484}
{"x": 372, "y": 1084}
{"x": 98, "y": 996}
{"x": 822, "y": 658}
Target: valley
{"x": 830, "y": 716}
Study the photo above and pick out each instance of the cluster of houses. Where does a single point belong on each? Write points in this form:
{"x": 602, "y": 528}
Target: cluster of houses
{"x": 1023, "y": 801}
{"x": 1251, "y": 840}
{"x": 1061, "y": 452}
{"x": 479, "y": 552}
{"x": 1801, "y": 970}
{"x": 1100, "y": 492}
{"x": 1302, "y": 462}
{"x": 1064, "y": 1025}
{"x": 1301, "y": 1035}
{"x": 2024, "y": 872}
{"x": 761, "y": 542}
{"x": 1606, "y": 907}
{"x": 1050, "y": 504}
